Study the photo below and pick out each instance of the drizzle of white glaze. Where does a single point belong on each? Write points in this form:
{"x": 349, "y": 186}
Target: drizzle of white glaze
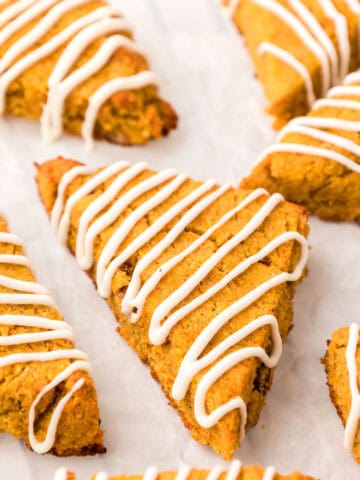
{"x": 101, "y": 476}
{"x": 352, "y": 422}
{"x": 293, "y": 63}
{"x": 55, "y": 330}
{"x": 78, "y": 35}
{"x": 162, "y": 321}
{"x": 304, "y": 35}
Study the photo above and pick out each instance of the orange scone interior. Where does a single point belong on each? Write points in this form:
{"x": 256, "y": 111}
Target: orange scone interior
{"x": 76, "y": 65}
{"x": 342, "y": 364}
{"x": 236, "y": 472}
{"x": 199, "y": 276}
{"x": 315, "y": 161}
{"x": 47, "y": 396}
{"x": 300, "y": 48}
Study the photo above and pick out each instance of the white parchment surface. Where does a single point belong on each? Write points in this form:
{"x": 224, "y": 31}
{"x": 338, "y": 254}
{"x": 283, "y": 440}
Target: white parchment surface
{"x": 208, "y": 77}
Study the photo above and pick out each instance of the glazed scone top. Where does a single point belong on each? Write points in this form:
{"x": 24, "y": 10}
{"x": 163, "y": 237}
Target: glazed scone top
{"x": 335, "y": 144}
{"x": 110, "y": 204}
{"x": 333, "y": 55}
{"x": 235, "y": 472}
{"x": 39, "y": 325}
{"x": 102, "y": 21}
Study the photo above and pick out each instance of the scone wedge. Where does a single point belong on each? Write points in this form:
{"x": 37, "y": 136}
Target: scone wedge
{"x": 300, "y": 48}
{"x": 316, "y": 160}
{"x": 200, "y": 278}
{"x": 235, "y": 472}
{"x": 75, "y": 64}
{"x": 342, "y": 364}
{"x": 47, "y": 396}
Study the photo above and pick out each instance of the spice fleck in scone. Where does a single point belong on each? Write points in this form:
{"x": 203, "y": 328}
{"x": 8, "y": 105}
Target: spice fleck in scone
{"x": 235, "y": 472}
{"x": 75, "y": 65}
{"x": 47, "y": 396}
{"x": 200, "y": 278}
{"x": 316, "y": 159}
{"x": 342, "y": 363}
{"x": 300, "y": 48}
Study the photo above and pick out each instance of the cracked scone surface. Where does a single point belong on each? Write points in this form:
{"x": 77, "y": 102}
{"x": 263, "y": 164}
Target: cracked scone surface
{"x": 283, "y": 85}
{"x": 127, "y": 117}
{"x": 246, "y": 473}
{"x": 78, "y": 431}
{"x": 250, "y": 379}
{"x": 325, "y": 186}
{"x": 338, "y": 379}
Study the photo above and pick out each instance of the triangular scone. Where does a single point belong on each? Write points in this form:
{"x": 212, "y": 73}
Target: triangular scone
{"x": 235, "y": 472}
{"x": 300, "y": 48}
{"x": 316, "y": 160}
{"x": 163, "y": 246}
{"x": 342, "y": 364}
{"x": 47, "y": 397}
{"x": 75, "y": 65}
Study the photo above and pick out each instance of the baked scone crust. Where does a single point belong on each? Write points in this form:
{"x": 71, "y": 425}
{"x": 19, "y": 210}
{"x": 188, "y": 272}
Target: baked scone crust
{"x": 250, "y": 379}
{"x": 327, "y": 188}
{"x": 128, "y": 117}
{"x": 284, "y": 87}
{"x": 251, "y": 472}
{"x": 338, "y": 379}
{"x": 78, "y": 431}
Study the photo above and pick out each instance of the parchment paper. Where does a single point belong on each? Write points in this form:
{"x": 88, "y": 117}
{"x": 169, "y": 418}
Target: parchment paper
{"x": 208, "y": 77}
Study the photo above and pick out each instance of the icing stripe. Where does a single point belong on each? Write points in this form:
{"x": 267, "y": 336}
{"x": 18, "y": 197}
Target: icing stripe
{"x": 337, "y": 103}
{"x": 78, "y": 36}
{"x": 300, "y": 30}
{"x": 336, "y": 140}
{"x": 184, "y": 472}
{"x": 352, "y": 422}
{"x": 168, "y": 313}
{"x": 54, "y": 330}
{"x": 325, "y": 122}
{"x": 293, "y": 63}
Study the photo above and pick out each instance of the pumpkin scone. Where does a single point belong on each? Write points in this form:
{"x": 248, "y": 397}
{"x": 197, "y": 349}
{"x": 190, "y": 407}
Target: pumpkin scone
{"x": 300, "y": 48}
{"x": 199, "y": 277}
{"x": 316, "y": 160}
{"x": 75, "y": 65}
{"x": 235, "y": 472}
{"x": 47, "y": 396}
{"x": 342, "y": 364}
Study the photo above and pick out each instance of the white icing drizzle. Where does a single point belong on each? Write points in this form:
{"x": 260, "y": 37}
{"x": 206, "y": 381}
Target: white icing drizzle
{"x": 352, "y": 422}
{"x": 304, "y": 35}
{"x": 183, "y": 473}
{"x": 35, "y": 294}
{"x": 79, "y": 35}
{"x": 342, "y": 35}
{"x": 311, "y": 126}
{"x": 334, "y": 64}
{"x": 168, "y": 313}
{"x": 290, "y": 60}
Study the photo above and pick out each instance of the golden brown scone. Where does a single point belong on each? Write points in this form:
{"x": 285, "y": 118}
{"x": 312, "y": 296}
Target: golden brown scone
{"x": 78, "y": 431}
{"x": 283, "y": 84}
{"x": 323, "y": 184}
{"x": 338, "y": 379}
{"x": 250, "y": 379}
{"x": 128, "y": 116}
{"x": 246, "y": 473}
